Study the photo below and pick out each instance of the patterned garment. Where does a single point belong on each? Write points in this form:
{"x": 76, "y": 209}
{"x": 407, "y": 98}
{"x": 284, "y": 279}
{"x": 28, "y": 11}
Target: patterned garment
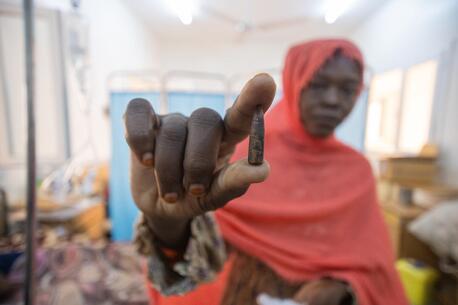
{"x": 85, "y": 275}
{"x": 204, "y": 257}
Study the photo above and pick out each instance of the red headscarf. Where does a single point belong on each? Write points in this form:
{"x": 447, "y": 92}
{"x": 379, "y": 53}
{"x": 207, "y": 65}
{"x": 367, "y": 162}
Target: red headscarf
{"x": 317, "y": 213}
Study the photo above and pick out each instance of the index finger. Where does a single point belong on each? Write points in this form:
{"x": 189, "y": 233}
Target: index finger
{"x": 258, "y": 91}
{"x": 140, "y": 123}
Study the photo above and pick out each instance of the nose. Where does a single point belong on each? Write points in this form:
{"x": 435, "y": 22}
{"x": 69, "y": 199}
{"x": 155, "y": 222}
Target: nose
{"x": 331, "y": 96}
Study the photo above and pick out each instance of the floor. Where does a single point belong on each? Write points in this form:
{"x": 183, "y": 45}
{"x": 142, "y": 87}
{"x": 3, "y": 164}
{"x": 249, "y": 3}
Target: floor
{"x": 84, "y": 275}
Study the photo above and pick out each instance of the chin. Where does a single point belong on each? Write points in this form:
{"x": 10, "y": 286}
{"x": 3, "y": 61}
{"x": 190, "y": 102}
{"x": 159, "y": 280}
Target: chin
{"x": 321, "y": 133}
{"x": 319, "y": 130}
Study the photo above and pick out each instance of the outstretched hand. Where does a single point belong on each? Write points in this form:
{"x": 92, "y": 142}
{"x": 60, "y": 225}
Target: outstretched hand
{"x": 180, "y": 166}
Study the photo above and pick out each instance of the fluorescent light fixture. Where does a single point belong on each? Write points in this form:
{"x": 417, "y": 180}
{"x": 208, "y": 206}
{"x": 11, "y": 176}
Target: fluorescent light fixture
{"x": 330, "y": 17}
{"x": 336, "y": 8}
{"x": 185, "y": 18}
{"x": 183, "y": 9}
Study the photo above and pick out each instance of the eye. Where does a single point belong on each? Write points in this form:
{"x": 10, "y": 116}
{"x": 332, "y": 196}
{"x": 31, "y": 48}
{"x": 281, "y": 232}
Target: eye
{"x": 348, "y": 90}
{"x": 317, "y": 85}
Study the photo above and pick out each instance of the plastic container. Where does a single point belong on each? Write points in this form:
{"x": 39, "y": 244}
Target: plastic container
{"x": 418, "y": 280}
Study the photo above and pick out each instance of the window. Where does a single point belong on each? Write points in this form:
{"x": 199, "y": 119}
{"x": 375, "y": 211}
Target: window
{"x": 49, "y": 104}
{"x": 383, "y": 112}
{"x": 399, "y": 111}
{"x": 417, "y": 104}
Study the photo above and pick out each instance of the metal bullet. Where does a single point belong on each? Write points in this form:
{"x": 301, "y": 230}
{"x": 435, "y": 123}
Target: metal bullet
{"x": 256, "y": 141}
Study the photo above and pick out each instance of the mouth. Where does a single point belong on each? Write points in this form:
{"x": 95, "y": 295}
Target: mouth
{"x": 326, "y": 120}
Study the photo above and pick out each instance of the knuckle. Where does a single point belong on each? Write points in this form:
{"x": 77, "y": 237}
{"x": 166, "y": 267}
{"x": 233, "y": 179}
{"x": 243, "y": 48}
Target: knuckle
{"x": 168, "y": 182}
{"x": 236, "y": 122}
{"x": 205, "y": 117}
{"x": 175, "y": 119}
{"x": 140, "y": 144}
{"x": 198, "y": 166}
{"x": 173, "y": 132}
{"x": 137, "y": 130}
{"x": 166, "y": 167}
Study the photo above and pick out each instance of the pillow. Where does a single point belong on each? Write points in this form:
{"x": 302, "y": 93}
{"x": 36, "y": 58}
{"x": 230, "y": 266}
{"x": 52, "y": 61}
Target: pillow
{"x": 439, "y": 229}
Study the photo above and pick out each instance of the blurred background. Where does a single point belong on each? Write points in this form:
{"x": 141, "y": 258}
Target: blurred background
{"x": 93, "y": 56}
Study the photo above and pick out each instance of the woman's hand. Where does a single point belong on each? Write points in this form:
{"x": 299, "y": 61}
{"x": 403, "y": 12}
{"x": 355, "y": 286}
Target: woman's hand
{"x": 179, "y": 165}
{"x": 324, "y": 292}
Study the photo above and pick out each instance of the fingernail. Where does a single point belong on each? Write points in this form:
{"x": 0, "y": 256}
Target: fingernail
{"x": 148, "y": 159}
{"x": 171, "y": 197}
{"x": 196, "y": 189}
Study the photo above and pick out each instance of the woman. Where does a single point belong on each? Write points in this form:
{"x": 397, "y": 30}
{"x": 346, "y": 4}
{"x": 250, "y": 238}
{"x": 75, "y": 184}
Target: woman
{"x": 312, "y": 231}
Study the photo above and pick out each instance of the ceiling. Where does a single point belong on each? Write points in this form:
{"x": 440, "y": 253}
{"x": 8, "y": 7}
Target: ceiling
{"x": 220, "y": 20}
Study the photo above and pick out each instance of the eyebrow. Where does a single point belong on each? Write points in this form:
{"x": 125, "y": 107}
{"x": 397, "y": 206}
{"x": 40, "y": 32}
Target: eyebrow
{"x": 324, "y": 76}
{"x": 353, "y": 81}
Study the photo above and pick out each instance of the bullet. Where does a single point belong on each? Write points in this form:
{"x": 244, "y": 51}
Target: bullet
{"x": 256, "y": 141}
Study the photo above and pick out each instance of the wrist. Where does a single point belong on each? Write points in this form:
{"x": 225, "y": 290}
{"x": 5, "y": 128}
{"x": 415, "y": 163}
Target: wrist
{"x": 169, "y": 233}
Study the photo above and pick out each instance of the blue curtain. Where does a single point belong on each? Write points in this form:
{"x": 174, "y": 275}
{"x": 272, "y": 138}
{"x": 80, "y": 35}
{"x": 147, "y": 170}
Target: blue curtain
{"x": 122, "y": 209}
{"x": 186, "y": 103}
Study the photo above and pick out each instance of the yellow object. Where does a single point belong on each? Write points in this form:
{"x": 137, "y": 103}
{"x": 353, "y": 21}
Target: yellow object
{"x": 429, "y": 150}
{"x": 418, "y": 280}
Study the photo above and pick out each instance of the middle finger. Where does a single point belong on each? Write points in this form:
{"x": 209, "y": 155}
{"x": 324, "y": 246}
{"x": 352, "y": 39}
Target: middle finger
{"x": 205, "y": 130}
{"x": 169, "y": 154}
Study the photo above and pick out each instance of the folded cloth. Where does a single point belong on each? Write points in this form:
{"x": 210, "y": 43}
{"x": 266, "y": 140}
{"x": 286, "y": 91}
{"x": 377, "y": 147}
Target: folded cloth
{"x": 204, "y": 257}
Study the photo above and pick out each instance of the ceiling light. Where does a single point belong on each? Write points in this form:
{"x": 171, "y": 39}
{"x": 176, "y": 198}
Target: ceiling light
{"x": 330, "y": 17}
{"x": 183, "y": 9}
{"x": 336, "y": 8}
{"x": 186, "y": 19}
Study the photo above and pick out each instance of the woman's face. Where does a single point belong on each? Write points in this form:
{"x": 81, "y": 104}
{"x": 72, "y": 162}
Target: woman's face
{"x": 330, "y": 96}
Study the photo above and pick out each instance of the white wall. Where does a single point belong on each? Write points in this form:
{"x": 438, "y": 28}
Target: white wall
{"x": 118, "y": 40}
{"x": 226, "y": 58}
{"x": 444, "y": 124}
{"x": 405, "y": 32}
{"x": 238, "y": 60}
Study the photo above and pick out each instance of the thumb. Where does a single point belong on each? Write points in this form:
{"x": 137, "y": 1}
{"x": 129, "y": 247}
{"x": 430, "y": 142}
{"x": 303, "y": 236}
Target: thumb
{"x": 242, "y": 174}
{"x": 233, "y": 181}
